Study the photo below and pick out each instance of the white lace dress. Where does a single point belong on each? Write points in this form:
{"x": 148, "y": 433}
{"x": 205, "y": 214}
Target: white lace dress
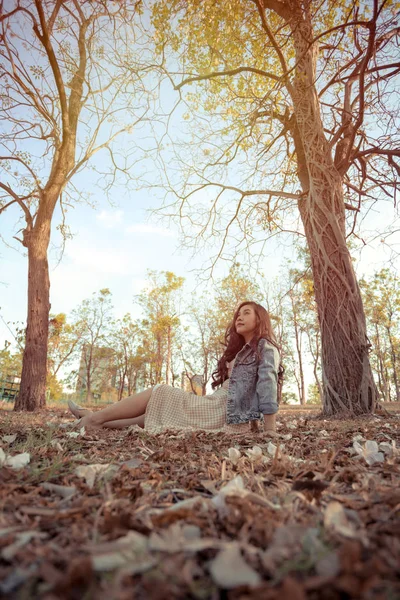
{"x": 174, "y": 408}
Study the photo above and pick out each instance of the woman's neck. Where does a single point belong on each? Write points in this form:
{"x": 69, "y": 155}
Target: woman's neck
{"x": 248, "y": 337}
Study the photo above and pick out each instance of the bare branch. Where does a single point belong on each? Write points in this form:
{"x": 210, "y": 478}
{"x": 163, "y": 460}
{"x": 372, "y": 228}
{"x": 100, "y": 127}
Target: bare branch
{"x": 19, "y": 200}
{"x": 227, "y": 73}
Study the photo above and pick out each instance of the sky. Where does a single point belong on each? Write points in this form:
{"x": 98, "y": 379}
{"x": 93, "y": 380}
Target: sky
{"x": 113, "y": 247}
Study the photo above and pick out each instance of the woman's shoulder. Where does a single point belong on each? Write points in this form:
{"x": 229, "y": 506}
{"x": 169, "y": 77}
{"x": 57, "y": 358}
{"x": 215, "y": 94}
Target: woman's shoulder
{"x": 265, "y": 343}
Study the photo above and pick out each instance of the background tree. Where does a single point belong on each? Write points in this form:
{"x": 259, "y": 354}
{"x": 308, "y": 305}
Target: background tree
{"x": 297, "y": 110}
{"x": 71, "y": 84}
{"x": 303, "y": 316}
{"x": 381, "y": 294}
{"x": 93, "y": 318}
{"x": 10, "y": 362}
{"x": 200, "y": 342}
{"x": 63, "y": 347}
{"x": 160, "y": 303}
{"x": 129, "y": 358}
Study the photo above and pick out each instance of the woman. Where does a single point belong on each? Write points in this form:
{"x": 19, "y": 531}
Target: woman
{"x": 246, "y": 378}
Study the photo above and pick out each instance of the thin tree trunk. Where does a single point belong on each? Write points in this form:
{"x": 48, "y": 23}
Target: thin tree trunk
{"x": 168, "y": 359}
{"x": 315, "y": 356}
{"x": 89, "y": 374}
{"x": 383, "y": 382}
{"x": 297, "y": 335}
{"x": 394, "y": 367}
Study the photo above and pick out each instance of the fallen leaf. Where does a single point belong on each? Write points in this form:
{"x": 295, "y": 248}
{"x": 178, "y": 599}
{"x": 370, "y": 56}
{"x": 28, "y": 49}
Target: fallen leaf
{"x": 22, "y": 538}
{"x": 90, "y": 472}
{"x": 335, "y": 518}
{"x": 9, "y": 439}
{"x": 61, "y": 490}
{"x": 255, "y": 454}
{"x": 19, "y": 461}
{"x": 229, "y": 569}
{"x": 131, "y": 548}
{"x": 234, "y": 455}
{"x": 175, "y": 538}
{"x": 370, "y": 452}
{"x": 271, "y": 449}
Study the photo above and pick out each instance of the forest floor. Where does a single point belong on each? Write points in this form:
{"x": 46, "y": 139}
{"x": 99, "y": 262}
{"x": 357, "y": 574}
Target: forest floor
{"x": 313, "y": 513}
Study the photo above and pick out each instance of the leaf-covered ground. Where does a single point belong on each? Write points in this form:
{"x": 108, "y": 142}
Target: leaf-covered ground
{"x": 110, "y": 515}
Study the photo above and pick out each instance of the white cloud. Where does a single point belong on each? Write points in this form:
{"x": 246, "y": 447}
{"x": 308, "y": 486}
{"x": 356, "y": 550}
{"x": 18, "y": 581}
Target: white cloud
{"x": 105, "y": 260}
{"x": 146, "y": 228}
{"x": 110, "y": 218}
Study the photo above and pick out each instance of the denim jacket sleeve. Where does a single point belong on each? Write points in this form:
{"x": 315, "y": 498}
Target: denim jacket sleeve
{"x": 267, "y": 379}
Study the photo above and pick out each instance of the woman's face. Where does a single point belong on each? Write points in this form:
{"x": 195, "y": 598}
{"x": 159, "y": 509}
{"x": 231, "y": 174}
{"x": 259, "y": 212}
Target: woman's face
{"x": 246, "y": 322}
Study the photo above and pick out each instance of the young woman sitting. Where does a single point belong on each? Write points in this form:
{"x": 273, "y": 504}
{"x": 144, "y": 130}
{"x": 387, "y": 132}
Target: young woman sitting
{"x": 245, "y": 383}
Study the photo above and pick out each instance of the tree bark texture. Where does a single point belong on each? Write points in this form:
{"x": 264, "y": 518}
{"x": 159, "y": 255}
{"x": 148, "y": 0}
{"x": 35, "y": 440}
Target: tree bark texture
{"x": 348, "y": 382}
{"x": 32, "y": 392}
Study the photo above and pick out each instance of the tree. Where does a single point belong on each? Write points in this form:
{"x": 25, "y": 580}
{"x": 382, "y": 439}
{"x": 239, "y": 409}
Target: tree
{"x": 200, "y": 342}
{"x": 160, "y": 303}
{"x": 230, "y": 291}
{"x": 10, "y": 362}
{"x": 129, "y": 358}
{"x": 304, "y": 318}
{"x": 93, "y": 318}
{"x": 70, "y": 86}
{"x": 381, "y": 294}
{"x": 292, "y": 94}
{"x": 63, "y": 345}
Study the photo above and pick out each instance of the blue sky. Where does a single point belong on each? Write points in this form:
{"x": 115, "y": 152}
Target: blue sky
{"x": 113, "y": 246}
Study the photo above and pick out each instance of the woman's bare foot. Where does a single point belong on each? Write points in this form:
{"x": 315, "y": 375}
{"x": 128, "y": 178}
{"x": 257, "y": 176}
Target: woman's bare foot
{"x": 77, "y": 410}
{"x": 88, "y": 421}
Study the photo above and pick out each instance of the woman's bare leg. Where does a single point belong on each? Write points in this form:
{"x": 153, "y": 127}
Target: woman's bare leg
{"x": 121, "y": 423}
{"x": 128, "y": 408}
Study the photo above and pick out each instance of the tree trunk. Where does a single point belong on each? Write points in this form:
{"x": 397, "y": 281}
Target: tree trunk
{"x": 347, "y": 376}
{"x": 169, "y": 358}
{"x": 348, "y": 382}
{"x": 297, "y": 335}
{"x": 32, "y": 393}
{"x": 382, "y": 375}
{"x": 89, "y": 360}
{"x": 315, "y": 356}
{"x": 394, "y": 367}
{"x": 122, "y": 384}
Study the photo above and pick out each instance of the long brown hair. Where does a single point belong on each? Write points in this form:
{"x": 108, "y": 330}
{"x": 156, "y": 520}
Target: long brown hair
{"x": 235, "y": 342}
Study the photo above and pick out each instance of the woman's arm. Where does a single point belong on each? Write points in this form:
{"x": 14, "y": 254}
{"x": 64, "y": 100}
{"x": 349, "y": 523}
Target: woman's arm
{"x": 267, "y": 382}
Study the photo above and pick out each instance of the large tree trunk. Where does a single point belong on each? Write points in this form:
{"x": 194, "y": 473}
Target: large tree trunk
{"x": 348, "y": 382}
{"x": 32, "y": 393}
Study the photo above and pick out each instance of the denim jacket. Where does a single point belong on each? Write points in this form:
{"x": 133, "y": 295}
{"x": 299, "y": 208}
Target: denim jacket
{"x": 253, "y": 382}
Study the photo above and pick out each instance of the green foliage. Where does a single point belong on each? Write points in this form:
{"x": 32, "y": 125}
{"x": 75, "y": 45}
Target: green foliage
{"x": 289, "y": 398}
{"x": 381, "y": 298}
{"x": 10, "y": 362}
{"x": 93, "y": 320}
{"x": 313, "y": 395}
{"x": 160, "y": 303}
